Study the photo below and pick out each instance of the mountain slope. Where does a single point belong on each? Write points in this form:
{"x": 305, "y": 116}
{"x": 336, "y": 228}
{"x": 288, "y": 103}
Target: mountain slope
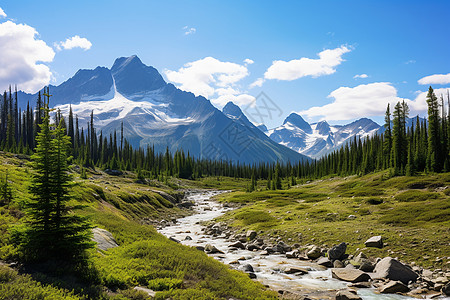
{"x": 154, "y": 112}
{"x": 319, "y": 139}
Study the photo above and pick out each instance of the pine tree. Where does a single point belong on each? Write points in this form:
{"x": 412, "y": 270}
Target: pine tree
{"x": 52, "y": 232}
{"x": 5, "y": 190}
{"x": 434, "y": 140}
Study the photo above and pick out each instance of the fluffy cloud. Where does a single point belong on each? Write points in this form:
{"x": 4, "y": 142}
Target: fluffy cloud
{"x": 435, "y": 79}
{"x": 74, "y": 42}
{"x": 21, "y": 54}
{"x": 248, "y": 61}
{"x": 361, "y": 76}
{"x": 211, "y": 78}
{"x": 189, "y": 30}
{"x": 258, "y": 82}
{"x": 297, "y": 68}
{"x": 364, "y": 101}
{"x": 2, "y": 13}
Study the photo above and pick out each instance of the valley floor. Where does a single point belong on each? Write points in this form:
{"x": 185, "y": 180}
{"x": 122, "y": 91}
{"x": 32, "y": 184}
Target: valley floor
{"x": 410, "y": 213}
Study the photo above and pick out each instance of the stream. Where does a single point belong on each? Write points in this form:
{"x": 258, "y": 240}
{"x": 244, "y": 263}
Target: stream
{"x": 316, "y": 284}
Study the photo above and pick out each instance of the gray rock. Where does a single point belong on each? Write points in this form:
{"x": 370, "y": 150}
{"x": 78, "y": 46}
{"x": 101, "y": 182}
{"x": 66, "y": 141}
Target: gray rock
{"x": 360, "y": 285}
{"x": 375, "y": 241}
{"x": 252, "y": 275}
{"x": 350, "y": 275}
{"x": 188, "y": 238}
{"x": 446, "y": 289}
{"x": 347, "y": 295}
{"x": 252, "y": 247}
{"x": 149, "y": 292}
{"x": 393, "y": 269}
{"x": 104, "y": 239}
{"x": 238, "y": 245}
{"x": 295, "y": 270}
{"x": 337, "y": 252}
{"x": 338, "y": 264}
{"x": 292, "y": 254}
{"x": 247, "y": 268}
{"x": 174, "y": 240}
{"x": 393, "y": 287}
{"x": 314, "y": 252}
{"x": 212, "y": 249}
{"x": 251, "y": 234}
{"x": 324, "y": 261}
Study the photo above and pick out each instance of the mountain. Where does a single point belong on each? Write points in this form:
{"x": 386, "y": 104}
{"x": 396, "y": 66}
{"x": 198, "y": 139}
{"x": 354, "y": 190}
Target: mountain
{"x": 156, "y": 113}
{"x": 318, "y": 139}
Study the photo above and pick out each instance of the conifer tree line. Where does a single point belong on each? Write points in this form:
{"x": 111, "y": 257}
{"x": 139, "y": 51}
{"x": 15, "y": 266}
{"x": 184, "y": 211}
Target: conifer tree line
{"x": 405, "y": 150}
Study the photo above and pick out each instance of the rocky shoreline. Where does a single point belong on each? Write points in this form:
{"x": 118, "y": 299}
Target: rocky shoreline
{"x": 383, "y": 275}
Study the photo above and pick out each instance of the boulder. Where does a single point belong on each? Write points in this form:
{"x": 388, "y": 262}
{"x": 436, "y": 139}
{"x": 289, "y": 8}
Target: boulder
{"x": 324, "y": 261}
{"x": 446, "y": 289}
{"x": 281, "y": 247}
{"x": 188, "y": 238}
{"x": 292, "y": 254}
{"x": 295, "y": 270}
{"x": 252, "y": 275}
{"x": 247, "y": 268}
{"x": 338, "y": 264}
{"x": 252, "y": 247}
{"x": 314, "y": 252}
{"x": 393, "y": 269}
{"x": 393, "y": 287}
{"x": 212, "y": 249}
{"x": 350, "y": 275}
{"x": 337, "y": 252}
{"x": 104, "y": 239}
{"x": 347, "y": 295}
{"x": 238, "y": 245}
{"x": 251, "y": 235}
{"x": 375, "y": 241}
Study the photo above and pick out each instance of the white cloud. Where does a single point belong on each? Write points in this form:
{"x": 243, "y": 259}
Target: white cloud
{"x": 411, "y": 61}
{"x": 297, "y": 68}
{"x": 74, "y": 42}
{"x": 258, "y": 82}
{"x": 435, "y": 79}
{"x": 364, "y": 101}
{"x": 2, "y": 13}
{"x": 248, "y": 61}
{"x": 213, "y": 79}
{"x": 361, "y": 76}
{"x": 21, "y": 54}
{"x": 189, "y": 30}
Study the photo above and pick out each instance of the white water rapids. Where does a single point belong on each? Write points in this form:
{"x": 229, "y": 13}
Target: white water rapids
{"x": 317, "y": 284}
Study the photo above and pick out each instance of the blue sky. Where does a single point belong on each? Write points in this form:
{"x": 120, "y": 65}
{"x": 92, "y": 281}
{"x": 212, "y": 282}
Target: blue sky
{"x": 394, "y": 43}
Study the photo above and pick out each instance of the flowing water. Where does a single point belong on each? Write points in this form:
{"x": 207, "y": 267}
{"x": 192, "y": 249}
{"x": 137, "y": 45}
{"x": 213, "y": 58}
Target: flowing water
{"x": 317, "y": 284}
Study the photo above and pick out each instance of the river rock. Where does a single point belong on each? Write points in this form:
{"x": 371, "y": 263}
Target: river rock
{"x": 351, "y": 275}
{"x": 247, "y": 268}
{"x": 292, "y": 254}
{"x": 174, "y": 239}
{"x": 337, "y": 252}
{"x": 347, "y": 295}
{"x": 314, "y": 252}
{"x": 361, "y": 285}
{"x": 393, "y": 269}
{"x": 186, "y": 204}
{"x": 238, "y": 245}
{"x": 324, "y": 261}
{"x": 252, "y": 247}
{"x": 281, "y": 247}
{"x": 375, "y": 241}
{"x": 212, "y": 249}
{"x": 104, "y": 239}
{"x": 338, "y": 264}
{"x": 393, "y": 287}
{"x": 295, "y": 270}
{"x": 188, "y": 238}
{"x": 252, "y": 275}
{"x": 201, "y": 248}
{"x": 251, "y": 235}
{"x": 446, "y": 289}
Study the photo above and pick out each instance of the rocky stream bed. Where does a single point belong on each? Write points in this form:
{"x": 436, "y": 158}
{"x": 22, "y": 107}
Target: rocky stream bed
{"x": 302, "y": 271}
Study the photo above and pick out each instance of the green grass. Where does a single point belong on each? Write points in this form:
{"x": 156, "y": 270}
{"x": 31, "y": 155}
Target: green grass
{"x": 411, "y": 213}
{"x": 144, "y": 257}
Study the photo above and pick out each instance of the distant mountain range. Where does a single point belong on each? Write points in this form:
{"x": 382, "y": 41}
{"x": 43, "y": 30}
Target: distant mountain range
{"x": 154, "y": 112}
